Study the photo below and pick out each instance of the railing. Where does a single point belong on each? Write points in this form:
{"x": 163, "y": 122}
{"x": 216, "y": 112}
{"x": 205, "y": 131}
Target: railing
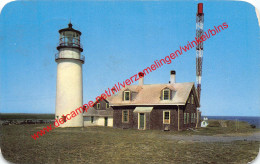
{"x": 62, "y": 56}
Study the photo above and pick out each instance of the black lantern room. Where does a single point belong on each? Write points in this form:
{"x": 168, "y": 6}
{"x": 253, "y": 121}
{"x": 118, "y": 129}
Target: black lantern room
{"x": 70, "y": 38}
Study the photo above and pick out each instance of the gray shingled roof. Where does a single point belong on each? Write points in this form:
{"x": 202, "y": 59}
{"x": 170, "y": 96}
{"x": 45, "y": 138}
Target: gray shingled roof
{"x": 103, "y": 113}
{"x": 150, "y": 94}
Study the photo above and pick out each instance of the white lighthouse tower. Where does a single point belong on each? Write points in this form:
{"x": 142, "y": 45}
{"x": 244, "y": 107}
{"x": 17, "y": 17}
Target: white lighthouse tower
{"x": 69, "y": 60}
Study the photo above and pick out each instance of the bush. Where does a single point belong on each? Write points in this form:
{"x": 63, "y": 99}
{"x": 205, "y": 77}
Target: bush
{"x": 253, "y": 126}
{"x": 214, "y": 123}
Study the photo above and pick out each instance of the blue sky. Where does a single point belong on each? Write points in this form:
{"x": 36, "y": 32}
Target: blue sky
{"x": 122, "y": 38}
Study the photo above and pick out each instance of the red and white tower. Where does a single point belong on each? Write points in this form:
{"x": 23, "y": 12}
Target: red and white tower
{"x": 199, "y": 47}
{"x": 199, "y": 53}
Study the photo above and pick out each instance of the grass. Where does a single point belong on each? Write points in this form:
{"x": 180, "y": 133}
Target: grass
{"x": 215, "y": 128}
{"x": 109, "y": 145}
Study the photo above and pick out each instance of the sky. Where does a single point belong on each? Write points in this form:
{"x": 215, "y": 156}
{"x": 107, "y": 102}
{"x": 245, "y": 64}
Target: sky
{"x": 120, "y": 39}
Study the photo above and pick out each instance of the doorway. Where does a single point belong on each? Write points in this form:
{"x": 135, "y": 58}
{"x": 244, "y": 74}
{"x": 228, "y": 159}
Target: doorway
{"x": 105, "y": 121}
{"x": 141, "y": 121}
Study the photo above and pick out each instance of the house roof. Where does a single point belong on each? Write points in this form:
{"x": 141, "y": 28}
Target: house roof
{"x": 150, "y": 94}
{"x": 143, "y": 109}
{"x": 99, "y": 100}
{"x": 102, "y": 113}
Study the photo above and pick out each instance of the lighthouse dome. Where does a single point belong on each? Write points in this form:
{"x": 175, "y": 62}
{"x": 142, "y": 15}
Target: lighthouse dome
{"x": 69, "y": 28}
{"x": 69, "y": 38}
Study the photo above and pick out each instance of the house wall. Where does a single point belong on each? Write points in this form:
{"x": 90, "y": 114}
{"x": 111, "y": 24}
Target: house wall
{"x": 188, "y": 108}
{"x": 156, "y": 119}
{"x": 135, "y": 120}
{"x": 181, "y": 117}
{"x": 148, "y": 121}
{"x": 87, "y": 121}
{"x": 110, "y": 122}
{"x": 200, "y": 119}
{"x": 102, "y": 105}
{"x": 117, "y": 118}
{"x": 98, "y": 121}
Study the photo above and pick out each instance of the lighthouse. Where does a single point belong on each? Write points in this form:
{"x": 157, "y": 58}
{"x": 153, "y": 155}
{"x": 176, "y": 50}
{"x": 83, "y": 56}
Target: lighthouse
{"x": 69, "y": 94}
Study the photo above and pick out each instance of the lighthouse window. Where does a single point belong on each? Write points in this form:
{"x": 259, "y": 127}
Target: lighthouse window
{"x": 69, "y": 40}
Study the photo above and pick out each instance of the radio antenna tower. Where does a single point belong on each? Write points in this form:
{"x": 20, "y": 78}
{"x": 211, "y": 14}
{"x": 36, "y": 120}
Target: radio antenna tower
{"x": 199, "y": 47}
{"x": 199, "y": 55}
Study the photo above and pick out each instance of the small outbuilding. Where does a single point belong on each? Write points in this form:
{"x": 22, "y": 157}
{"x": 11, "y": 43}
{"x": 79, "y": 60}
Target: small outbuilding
{"x": 205, "y": 122}
{"x": 101, "y": 114}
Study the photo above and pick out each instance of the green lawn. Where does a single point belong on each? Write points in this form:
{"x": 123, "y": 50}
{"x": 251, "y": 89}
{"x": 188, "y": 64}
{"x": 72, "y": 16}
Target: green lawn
{"x": 109, "y": 145}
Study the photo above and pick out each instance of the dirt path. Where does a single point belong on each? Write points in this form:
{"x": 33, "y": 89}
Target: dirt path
{"x": 201, "y": 138}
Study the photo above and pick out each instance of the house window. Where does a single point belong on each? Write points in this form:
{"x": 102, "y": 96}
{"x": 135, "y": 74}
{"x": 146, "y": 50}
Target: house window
{"x": 166, "y": 117}
{"x": 125, "y": 116}
{"x": 98, "y": 105}
{"x": 166, "y": 94}
{"x": 184, "y": 118}
{"x": 188, "y": 118}
{"x": 192, "y": 99}
{"x": 92, "y": 119}
{"x": 126, "y": 95}
{"x": 107, "y": 105}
